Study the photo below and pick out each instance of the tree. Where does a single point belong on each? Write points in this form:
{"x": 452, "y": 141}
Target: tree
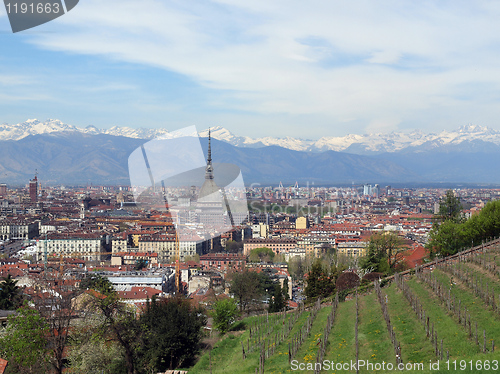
{"x": 347, "y": 280}
{"x": 92, "y": 353}
{"x": 55, "y": 306}
{"x": 319, "y": 282}
{"x": 224, "y": 314}
{"x": 450, "y": 207}
{"x": 234, "y": 247}
{"x": 276, "y": 304}
{"x": 118, "y": 322}
{"x": 171, "y": 334}
{"x": 245, "y": 286}
{"x": 98, "y": 283}
{"x": 385, "y": 251}
{"x": 263, "y": 254}
{"x": 451, "y": 236}
{"x": 286, "y": 290}
{"x": 24, "y": 343}
{"x": 10, "y": 295}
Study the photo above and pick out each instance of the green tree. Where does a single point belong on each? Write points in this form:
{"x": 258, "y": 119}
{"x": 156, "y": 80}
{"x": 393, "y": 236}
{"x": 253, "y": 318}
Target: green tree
{"x": 246, "y": 287}
{"x": 98, "y": 283}
{"x": 92, "y": 353}
{"x": 276, "y": 303}
{"x": 451, "y": 236}
{"x": 224, "y": 314}
{"x": 319, "y": 282}
{"x": 286, "y": 290}
{"x": 10, "y": 294}
{"x": 172, "y": 332}
{"x": 385, "y": 251}
{"x": 263, "y": 254}
{"x": 450, "y": 207}
{"x": 118, "y": 322}
{"x": 24, "y": 343}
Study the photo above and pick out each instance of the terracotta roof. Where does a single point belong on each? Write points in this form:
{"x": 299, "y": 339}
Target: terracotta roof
{"x": 3, "y": 365}
{"x": 139, "y": 293}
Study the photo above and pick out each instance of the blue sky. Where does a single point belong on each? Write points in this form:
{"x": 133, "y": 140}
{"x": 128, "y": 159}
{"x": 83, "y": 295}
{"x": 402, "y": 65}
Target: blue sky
{"x": 258, "y": 68}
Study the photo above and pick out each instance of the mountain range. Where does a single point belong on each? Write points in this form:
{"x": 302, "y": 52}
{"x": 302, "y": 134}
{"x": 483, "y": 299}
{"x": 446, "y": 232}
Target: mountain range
{"x": 375, "y": 143}
{"x": 67, "y": 154}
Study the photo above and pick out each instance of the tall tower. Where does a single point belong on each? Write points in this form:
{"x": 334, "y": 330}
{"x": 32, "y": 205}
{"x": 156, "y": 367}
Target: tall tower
{"x": 34, "y": 189}
{"x": 210, "y": 210}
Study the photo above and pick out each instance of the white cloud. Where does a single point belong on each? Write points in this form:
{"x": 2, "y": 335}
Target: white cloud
{"x": 384, "y": 62}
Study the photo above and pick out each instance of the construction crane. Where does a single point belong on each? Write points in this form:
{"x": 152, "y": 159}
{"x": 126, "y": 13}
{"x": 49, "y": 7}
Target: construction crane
{"x": 177, "y": 264}
{"x": 177, "y": 249}
{"x": 165, "y": 201}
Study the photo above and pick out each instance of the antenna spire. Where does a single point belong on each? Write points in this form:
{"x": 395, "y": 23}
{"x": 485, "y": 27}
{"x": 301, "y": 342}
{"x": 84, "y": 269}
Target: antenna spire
{"x": 209, "y": 147}
{"x": 209, "y": 169}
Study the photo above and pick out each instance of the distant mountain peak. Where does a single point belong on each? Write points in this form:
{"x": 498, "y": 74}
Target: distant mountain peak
{"x": 471, "y": 128}
{"x": 351, "y": 143}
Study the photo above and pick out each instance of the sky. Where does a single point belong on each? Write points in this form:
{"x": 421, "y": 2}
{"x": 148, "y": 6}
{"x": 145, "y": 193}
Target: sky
{"x": 258, "y": 68}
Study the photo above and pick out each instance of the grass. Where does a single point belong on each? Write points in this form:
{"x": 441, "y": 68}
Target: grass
{"x": 227, "y": 355}
{"x": 278, "y": 363}
{"x": 306, "y": 353}
{"x": 456, "y": 339}
{"x": 309, "y": 349}
{"x": 415, "y": 346}
{"x": 341, "y": 345}
{"x": 374, "y": 341}
{"x": 483, "y": 275}
{"x": 482, "y": 314}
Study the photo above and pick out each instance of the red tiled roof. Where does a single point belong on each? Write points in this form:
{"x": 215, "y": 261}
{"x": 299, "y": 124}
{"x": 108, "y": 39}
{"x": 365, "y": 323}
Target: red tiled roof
{"x": 139, "y": 293}
{"x": 14, "y": 272}
{"x": 416, "y": 256}
{"x": 3, "y": 365}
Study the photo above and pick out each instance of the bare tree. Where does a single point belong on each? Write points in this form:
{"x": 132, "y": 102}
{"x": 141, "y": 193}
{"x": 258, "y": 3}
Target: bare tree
{"x": 53, "y": 302}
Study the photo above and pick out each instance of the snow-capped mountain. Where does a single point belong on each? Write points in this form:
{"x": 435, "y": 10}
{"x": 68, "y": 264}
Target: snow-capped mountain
{"x": 352, "y": 143}
{"x": 34, "y": 127}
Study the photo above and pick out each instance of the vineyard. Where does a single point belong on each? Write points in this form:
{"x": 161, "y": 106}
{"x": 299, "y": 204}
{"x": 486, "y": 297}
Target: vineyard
{"x": 443, "y": 317}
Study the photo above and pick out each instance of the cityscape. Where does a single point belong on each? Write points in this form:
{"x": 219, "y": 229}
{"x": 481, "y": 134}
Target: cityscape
{"x": 193, "y": 245}
{"x": 227, "y": 186}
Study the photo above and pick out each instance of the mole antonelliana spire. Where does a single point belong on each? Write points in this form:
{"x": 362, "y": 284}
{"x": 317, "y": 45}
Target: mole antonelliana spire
{"x": 209, "y": 169}
{"x": 209, "y": 191}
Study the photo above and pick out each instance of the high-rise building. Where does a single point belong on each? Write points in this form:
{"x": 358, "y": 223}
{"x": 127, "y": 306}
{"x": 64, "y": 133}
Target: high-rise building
{"x": 34, "y": 190}
{"x": 3, "y": 189}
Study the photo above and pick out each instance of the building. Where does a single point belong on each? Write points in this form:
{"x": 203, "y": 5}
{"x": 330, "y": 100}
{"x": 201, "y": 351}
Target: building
{"x": 164, "y": 245}
{"x": 125, "y": 282}
{"x": 301, "y": 223}
{"x": 276, "y": 245}
{"x": 3, "y": 189}
{"x": 209, "y": 209}
{"x": 18, "y": 229}
{"x": 131, "y": 258}
{"x": 223, "y": 261}
{"x": 352, "y": 249}
{"x": 316, "y": 245}
{"x": 33, "y": 189}
{"x": 260, "y": 230}
{"x": 119, "y": 242}
{"x": 87, "y": 246}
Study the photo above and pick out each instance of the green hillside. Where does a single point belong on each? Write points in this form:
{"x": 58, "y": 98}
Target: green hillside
{"x": 433, "y": 313}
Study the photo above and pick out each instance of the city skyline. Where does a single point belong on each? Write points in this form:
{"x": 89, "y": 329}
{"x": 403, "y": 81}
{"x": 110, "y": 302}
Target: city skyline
{"x": 257, "y": 69}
